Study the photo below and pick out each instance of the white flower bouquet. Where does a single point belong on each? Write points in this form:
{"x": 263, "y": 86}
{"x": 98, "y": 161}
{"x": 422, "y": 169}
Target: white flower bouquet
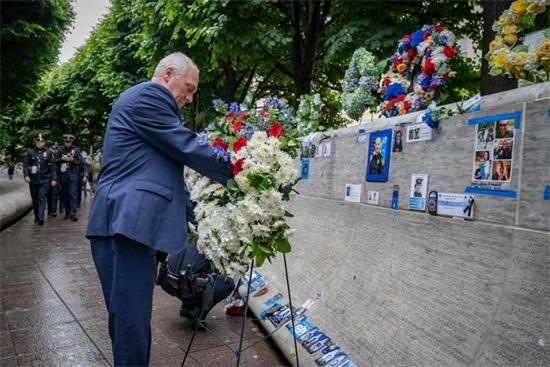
{"x": 246, "y": 220}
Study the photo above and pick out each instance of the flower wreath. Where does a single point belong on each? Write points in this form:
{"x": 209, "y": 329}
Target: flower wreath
{"x": 432, "y": 48}
{"x": 360, "y": 84}
{"x": 509, "y": 57}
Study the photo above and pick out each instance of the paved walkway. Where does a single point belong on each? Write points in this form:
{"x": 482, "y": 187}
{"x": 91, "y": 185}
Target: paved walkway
{"x": 52, "y": 311}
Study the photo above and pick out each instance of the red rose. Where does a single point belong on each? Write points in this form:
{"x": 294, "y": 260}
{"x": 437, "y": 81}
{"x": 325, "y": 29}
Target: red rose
{"x": 238, "y": 166}
{"x": 237, "y": 126}
{"x": 219, "y": 142}
{"x": 275, "y": 130}
{"x": 439, "y": 28}
{"x": 449, "y": 52}
{"x": 242, "y": 116}
{"x": 426, "y": 35}
{"x": 230, "y": 118}
{"x": 241, "y": 142}
{"x": 407, "y": 37}
{"x": 264, "y": 112}
{"x": 411, "y": 53}
{"x": 407, "y": 105}
{"x": 428, "y": 66}
{"x": 216, "y": 142}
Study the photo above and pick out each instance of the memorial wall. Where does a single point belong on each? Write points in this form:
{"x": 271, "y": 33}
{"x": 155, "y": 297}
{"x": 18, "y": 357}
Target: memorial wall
{"x": 387, "y": 283}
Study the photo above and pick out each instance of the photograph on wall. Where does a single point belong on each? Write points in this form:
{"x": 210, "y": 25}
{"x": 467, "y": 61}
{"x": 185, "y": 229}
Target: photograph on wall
{"x": 494, "y": 148}
{"x": 419, "y": 132}
{"x": 305, "y": 169}
{"x": 418, "y": 193}
{"x": 374, "y": 197}
{"x": 378, "y": 157}
{"x": 398, "y": 141}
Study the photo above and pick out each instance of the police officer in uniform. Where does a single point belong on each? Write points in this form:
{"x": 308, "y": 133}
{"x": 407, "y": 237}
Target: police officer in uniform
{"x": 377, "y": 160}
{"x": 68, "y": 160}
{"x": 53, "y": 194}
{"x": 39, "y": 172}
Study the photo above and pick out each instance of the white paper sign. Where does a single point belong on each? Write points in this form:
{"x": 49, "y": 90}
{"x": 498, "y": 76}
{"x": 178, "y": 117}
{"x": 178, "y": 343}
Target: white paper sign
{"x": 326, "y": 149}
{"x": 419, "y": 132}
{"x": 353, "y": 193}
{"x": 455, "y": 205}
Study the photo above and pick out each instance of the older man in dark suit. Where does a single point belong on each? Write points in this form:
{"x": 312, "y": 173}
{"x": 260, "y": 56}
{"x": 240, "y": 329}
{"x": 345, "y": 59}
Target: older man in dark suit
{"x": 139, "y": 204}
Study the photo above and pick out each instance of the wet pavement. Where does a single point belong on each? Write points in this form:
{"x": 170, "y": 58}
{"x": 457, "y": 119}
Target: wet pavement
{"x": 52, "y": 311}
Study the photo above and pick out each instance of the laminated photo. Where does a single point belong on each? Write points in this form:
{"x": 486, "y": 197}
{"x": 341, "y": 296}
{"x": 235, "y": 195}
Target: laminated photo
{"x": 323, "y": 340}
{"x": 335, "y": 358}
{"x": 275, "y": 298}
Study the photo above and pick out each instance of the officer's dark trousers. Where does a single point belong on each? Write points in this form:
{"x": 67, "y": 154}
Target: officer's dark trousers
{"x": 39, "y": 192}
{"x": 53, "y": 199}
{"x": 127, "y": 271}
{"x": 68, "y": 196}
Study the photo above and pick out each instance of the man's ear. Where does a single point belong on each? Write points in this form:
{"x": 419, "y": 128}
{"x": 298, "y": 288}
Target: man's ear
{"x": 168, "y": 74}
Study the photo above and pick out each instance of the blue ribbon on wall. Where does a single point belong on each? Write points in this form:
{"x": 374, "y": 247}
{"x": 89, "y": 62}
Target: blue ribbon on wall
{"x": 492, "y": 192}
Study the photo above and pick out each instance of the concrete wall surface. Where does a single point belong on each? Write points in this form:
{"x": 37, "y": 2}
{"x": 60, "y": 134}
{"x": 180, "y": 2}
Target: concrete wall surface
{"x": 15, "y": 200}
{"x": 404, "y": 288}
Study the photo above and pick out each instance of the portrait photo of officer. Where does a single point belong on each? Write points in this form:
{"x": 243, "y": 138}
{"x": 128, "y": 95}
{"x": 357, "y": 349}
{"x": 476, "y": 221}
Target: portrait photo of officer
{"x": 39, "y": 172}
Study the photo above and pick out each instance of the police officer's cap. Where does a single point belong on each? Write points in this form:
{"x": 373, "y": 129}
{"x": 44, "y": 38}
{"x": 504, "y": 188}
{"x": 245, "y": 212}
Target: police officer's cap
{"x": 68, "y": 138}
{"x": 53, "y": 145}
{"x": 40, "y": 137}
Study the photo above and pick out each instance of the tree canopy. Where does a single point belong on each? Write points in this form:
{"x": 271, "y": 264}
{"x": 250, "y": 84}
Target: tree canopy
{"x": 255, "y": 47}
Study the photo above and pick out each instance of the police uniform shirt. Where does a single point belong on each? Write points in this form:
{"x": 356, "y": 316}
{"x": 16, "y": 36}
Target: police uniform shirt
{"x": 39, "y": 166}
{"x": 68, "y": 170}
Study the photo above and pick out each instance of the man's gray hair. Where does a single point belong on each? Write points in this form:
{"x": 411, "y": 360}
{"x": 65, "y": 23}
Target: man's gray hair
{"x": 179, "y": 61}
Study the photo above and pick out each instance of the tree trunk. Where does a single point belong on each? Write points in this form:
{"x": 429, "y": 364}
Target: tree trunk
{"x": 230, "y": 82}
{"x": 307, "y": 57}
{"x": 490, "y": 84}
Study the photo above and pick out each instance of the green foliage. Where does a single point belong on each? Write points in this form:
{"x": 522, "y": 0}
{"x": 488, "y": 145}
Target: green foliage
{"x": 31, "y": 36}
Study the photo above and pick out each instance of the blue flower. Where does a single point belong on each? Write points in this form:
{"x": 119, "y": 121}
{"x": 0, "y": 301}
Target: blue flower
{"x": 417, "y": 38}
{"x": 273, "y": 102}
{"x": 393, "y": 90}
{"x": 234, "y": 108}
{"x": 224, "y": 156}
{"x": 425, "y": 81}
{"x": 438, "y": 81}
{"x": 218, "y": 105}
{"x": 442, "y": 40}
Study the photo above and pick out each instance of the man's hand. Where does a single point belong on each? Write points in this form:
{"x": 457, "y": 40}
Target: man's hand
{"x": 53, "y": 183}
{"x": 27, "y": 179}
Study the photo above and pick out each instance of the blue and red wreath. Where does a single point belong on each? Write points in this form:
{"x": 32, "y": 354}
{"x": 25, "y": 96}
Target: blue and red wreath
{"x": 431, "y": 47}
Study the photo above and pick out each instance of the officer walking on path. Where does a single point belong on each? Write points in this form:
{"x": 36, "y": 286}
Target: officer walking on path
{"x": 39, "y": 172}
{"x": 68, "y": 159}
{"x": 53, "y": 194}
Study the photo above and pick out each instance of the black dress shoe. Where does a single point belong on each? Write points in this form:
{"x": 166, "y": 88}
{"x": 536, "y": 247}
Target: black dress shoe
{"x": 40, "y": 222}
{"x": 61, "y": 210}
{"x": 49, "y": 214}
{"x": 74, "y": 218}
{"x": 54, "y": 215}
{"x": 66, "y": 216}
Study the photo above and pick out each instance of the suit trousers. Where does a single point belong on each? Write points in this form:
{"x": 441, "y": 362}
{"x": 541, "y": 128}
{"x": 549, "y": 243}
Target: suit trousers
{"x": 127, "y": 271}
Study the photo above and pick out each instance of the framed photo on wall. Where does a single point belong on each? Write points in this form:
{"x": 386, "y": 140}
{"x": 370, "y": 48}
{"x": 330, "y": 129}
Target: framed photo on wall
{"x": 494, "y": 148}
{"x": 379, "y": 154}
{"x": 419, "y": 192}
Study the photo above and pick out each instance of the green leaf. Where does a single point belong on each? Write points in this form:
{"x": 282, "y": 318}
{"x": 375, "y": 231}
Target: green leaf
{"x": 260, "y": 258}
{"x": 288, "y": 214}
{"x": 495, "y": 71}
{"x": 521, "y": 48}
{"x": 232, "y": 186}
{"x": 282, "y": 245}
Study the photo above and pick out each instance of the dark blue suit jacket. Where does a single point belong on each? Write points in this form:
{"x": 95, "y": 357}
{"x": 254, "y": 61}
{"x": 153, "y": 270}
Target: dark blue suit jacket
{"x": 140, "y": 190}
